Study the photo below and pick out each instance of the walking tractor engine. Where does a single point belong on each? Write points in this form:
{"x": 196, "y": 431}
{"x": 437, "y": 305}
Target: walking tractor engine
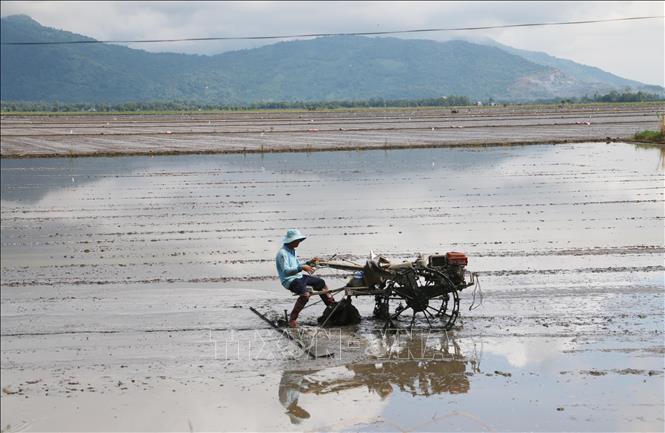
{"x": 429, "y": 285}
{"x": 453, "y": 263}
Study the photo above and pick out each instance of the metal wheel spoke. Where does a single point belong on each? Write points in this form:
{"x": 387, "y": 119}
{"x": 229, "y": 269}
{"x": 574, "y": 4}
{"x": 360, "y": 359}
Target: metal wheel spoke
{"x": 396, "y": 315}
{"x": 420, "y": 286}
{"x": 427, "y": 318}
{"x": 454, "y": 312}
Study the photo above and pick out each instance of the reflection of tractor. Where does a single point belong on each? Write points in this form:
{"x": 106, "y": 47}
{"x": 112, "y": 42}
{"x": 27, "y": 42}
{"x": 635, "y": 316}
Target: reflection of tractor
{"x": 419, "y": 367}
{"x": 428, "y": 285}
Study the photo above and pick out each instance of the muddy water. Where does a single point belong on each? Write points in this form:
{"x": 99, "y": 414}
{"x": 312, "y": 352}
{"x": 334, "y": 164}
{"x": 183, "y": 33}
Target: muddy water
{"x": 124, "y": 282}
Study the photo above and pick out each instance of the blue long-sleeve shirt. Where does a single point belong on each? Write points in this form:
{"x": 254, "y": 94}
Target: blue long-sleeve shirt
{"x": 289, "y": 267}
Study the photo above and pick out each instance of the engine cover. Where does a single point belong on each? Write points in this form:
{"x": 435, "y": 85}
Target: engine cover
{"x": 452, "y": 258}
{"x": 455, "y": 258}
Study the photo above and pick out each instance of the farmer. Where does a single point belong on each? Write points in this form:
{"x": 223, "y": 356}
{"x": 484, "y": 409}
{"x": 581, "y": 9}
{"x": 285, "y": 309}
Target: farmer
{"x": 290, "y": 271}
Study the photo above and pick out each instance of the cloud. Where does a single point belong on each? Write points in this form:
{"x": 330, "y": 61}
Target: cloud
{"x": 632, "y": 49}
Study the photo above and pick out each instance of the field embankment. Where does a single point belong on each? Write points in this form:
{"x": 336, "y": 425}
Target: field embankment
{"x": 308, "y": 131}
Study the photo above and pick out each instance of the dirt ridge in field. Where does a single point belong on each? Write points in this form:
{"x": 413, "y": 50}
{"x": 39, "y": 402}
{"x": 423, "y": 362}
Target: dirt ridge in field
{"x": 24, "y": 136}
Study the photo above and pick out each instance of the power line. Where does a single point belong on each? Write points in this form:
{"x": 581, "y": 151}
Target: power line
{"x": 305, "y": 35}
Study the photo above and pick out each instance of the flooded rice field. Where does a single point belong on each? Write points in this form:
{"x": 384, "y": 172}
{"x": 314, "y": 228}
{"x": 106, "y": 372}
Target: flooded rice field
{"x": 126, "y": 283}
{"x": 280, "y": 131}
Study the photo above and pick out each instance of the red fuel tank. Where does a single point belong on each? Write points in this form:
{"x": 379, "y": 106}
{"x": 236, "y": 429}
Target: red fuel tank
{"x": 456, "y": 258}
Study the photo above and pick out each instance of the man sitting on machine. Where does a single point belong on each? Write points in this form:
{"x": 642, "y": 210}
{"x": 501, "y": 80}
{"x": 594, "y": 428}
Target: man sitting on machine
{"x": 290, "y": 270}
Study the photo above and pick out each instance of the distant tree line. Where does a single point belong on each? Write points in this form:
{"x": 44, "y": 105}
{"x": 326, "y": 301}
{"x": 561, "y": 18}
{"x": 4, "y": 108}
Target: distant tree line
{"x": 446, "y": 101}
{"x": 614, "y": 96}
{"x": 23, "y": 106}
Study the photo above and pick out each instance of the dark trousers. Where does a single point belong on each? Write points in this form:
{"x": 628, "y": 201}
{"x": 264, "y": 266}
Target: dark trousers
{"x": 299, "y": 287}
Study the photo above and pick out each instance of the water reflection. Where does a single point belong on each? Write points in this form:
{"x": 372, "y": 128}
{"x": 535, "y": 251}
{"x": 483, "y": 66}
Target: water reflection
{"x": 30, "y": 180}
{"x": 651, "y": 147}
{"x": 422, "y": 366}
{"x": 214, "y": 219}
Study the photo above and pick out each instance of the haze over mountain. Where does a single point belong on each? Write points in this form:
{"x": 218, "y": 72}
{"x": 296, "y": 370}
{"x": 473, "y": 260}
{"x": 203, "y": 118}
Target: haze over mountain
{"x": 332, "y": 68}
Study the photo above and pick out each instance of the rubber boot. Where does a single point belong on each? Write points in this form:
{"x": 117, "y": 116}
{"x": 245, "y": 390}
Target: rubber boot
{"x": 297, "y": 308}
{"x": 327, "y": 299}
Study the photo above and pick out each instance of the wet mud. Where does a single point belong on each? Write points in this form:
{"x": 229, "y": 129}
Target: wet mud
{"x": 126, "y": 281}
{"x": 313, "y": 131}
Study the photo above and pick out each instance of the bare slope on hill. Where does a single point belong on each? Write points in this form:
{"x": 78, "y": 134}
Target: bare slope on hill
{"x": 333, "y": 68}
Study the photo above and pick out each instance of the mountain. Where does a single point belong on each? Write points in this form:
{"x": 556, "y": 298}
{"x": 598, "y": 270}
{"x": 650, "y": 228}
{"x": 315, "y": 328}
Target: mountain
{"x": 584, "y": 73}
{"x": 331, "y": 68}
{"x": 83, "y": 73}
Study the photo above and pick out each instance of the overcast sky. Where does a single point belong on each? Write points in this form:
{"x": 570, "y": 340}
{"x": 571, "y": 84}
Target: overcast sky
{"x": 633, "y": 50}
